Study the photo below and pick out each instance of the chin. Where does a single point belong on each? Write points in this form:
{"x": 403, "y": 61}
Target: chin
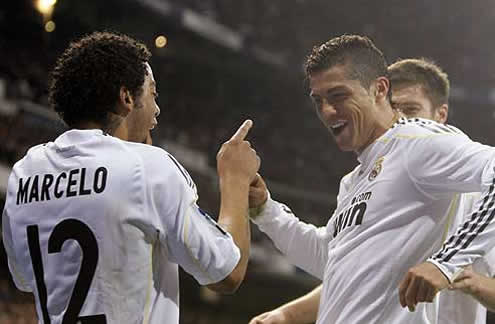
{"x": 345, "y": 147}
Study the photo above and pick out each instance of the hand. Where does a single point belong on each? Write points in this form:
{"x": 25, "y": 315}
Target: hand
{"x": 482, "y": 288}
{"x": 236, "y": 158}
{"x": 273, "y": 317}
{"x": 258, "y": 193}
{"x": 420, "y": 284}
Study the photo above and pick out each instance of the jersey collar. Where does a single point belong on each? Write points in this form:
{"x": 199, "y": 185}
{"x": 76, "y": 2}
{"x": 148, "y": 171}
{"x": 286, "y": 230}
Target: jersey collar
{"x": 75, "y": 136}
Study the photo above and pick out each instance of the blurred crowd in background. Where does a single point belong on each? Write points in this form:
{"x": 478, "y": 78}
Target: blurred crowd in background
{"x": 225, "y": 61}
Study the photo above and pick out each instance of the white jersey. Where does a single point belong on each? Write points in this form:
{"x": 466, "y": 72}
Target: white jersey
{"x": 391, "y": 214}
{"x": 456, "y": 307}
{"x": 95, "y": 227}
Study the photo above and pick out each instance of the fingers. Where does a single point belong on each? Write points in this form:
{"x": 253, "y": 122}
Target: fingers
{"x": 460, "y": 285}
{"x": 403, "y": 289}
{"x": 255, "y": 181}
{"x": 422, "y": 293}
{"x": 463, "y": 275}
{"x": 464, "y": 282}
{"x": 258, "y": 319}
{"x": 411, "y": 293}
{"x": 242, "y": 132}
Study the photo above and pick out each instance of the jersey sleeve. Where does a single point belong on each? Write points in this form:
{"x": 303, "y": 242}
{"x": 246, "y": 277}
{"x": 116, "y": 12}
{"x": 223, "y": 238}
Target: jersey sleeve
{"x": 305, "y": 245}
{"x": 191, "y": 237}
{"x": 15, "y": 270}
{"x": 451, "y": 162}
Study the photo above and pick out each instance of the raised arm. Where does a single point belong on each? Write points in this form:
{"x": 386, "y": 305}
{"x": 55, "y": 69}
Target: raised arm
{"x": 237, "y": 164}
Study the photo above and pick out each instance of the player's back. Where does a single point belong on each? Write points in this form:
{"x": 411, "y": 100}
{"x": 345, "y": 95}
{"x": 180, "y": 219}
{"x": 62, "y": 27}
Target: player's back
{"x": 82, "y": 239}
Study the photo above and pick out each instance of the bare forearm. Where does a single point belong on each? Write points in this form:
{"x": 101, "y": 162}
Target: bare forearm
{"x": 304, "y": 310}
{"x": 234, "y": 217}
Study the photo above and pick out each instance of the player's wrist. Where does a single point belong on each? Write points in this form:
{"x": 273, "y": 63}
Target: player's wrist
{"x": 449, "y": 271}
{"x": 256, "y": 211}
{"x": 289, "y": 314}
{"x": 229, "y": 182}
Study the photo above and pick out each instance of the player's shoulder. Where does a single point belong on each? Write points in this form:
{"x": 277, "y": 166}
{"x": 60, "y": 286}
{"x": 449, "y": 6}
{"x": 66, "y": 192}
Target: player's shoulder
{"x": 151, "y": 156}
{"x": 420, "y": 129}
{"x": 159, "y": 162}
{"x": 32, "y": 154}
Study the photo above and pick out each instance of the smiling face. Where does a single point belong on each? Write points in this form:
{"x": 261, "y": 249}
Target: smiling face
{"x": 354, "y": 115}
{"x": 142, "y": 117}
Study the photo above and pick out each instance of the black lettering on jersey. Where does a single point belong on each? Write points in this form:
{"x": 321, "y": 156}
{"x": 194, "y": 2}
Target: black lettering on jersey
{"x": 68, "y": 229}
{"x": 100, "y": 181}
{"x": 43, "y": 187}
{"x": 22, "y": 190}
{"x": 362, "y": 197}
{"x": 47, "y": 182}
{"x": 59, "y": 194}
{"x": 353, "y": 215}
{"x": 71, "y": 183}
{"x": 82, "y": 190}
{"x": 34, "y": 194}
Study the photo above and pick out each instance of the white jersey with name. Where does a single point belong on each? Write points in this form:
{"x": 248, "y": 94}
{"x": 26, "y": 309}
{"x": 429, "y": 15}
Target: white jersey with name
{"x": 96, "y": 227}
{"x": 391, "y": 214}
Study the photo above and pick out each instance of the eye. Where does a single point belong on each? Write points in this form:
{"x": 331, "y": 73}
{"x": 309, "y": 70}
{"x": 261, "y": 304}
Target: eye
{"x": 337, "y": 97}
{"x": 410, "y": 111}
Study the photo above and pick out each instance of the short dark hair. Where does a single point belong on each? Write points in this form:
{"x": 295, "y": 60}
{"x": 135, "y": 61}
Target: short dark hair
{"x": 358, "y": 53}
{"x": 86, "y": 80}
{"x": 424, "y": 72}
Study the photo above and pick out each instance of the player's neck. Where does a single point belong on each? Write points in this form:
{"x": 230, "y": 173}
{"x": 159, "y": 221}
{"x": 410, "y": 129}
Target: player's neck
{"x": 88, "y": 125}
{"x": 381, "y": 128}
{"x": 115, "y": 127}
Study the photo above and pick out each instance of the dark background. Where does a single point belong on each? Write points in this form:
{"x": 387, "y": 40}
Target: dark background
{"x": 225, "y": 61}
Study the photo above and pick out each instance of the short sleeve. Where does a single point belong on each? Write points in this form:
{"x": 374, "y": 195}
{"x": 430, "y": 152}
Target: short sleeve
{"x": 19, "y": 279}
{"x": 192, "y": 238}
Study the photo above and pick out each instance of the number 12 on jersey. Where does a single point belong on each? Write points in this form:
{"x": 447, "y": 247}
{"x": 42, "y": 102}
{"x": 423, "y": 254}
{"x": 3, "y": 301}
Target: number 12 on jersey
{"x": 69, "y": 229}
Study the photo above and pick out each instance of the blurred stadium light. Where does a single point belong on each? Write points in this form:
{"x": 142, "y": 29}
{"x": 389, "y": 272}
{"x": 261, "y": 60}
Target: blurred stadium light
{"x": 45, "y": 7}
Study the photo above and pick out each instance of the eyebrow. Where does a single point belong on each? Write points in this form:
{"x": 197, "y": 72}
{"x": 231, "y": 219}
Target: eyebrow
{"x": 332, "y": 90}
{"x": 408, "y": 103}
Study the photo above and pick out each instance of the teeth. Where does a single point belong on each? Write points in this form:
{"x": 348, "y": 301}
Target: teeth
{"x": 337, "y": 125}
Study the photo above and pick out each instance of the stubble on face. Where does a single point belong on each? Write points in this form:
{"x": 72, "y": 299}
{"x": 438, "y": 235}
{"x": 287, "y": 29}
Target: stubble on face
{"x": 346, "y": 101}
{"x": 142, "y": 118}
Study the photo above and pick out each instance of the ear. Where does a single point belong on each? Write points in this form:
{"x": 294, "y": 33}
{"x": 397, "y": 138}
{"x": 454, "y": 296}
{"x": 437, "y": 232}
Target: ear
{"x": 382, "y": 87}
{"x": 125, "y": 102}
{"x": 442, "y": 113}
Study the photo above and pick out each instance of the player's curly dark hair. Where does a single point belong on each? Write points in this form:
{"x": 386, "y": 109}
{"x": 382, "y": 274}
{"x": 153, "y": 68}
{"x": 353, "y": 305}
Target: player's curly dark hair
{"x": 364, "y": 61}
{"x": 86, "y": 81}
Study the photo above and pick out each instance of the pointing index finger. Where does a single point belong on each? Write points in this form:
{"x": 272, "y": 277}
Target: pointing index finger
{"x": 242, "y": 132}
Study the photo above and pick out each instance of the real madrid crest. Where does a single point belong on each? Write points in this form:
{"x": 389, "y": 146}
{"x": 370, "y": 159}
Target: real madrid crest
{"x": 377, "y": 168}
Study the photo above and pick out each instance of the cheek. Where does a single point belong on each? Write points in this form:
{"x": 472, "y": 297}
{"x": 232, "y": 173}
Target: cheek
{"x": 361, "y": 122}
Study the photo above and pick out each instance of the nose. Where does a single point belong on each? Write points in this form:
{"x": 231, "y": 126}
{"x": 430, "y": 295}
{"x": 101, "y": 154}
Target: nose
{"x": 327, "y": 110}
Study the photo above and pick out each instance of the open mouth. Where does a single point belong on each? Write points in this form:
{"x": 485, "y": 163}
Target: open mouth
{"x": 154, "y": 123}
{"x": 337, "y": 128}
